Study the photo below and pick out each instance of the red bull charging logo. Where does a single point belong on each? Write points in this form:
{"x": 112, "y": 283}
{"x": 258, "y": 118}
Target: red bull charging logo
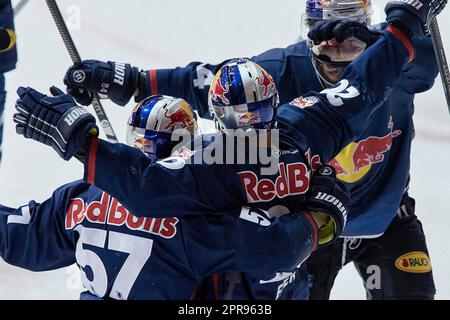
{"x": 266, "y": 82}
{"x": 183, "y": 117}
{"x": 356, "y": 160}
{"x": 218, "y": 89}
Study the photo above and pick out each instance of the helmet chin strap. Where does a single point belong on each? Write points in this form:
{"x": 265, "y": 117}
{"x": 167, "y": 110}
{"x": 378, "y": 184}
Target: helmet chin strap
{"x": 324, "y": 82}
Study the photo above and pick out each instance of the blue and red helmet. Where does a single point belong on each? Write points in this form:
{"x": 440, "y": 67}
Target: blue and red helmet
{"x": 243, "y": 95}
{"x": 153, "y": 122}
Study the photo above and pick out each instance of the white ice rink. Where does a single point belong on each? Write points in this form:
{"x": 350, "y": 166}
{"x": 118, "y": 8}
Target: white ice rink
{"x": 167, "y": 33}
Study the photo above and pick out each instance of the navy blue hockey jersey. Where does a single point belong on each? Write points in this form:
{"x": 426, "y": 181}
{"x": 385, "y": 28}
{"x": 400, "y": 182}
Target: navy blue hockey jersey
{"x": 122, "y": 256}
{"x": 318, "y": 124}
{"x": 325, "y": 125}
{"x": 375, "y": 163}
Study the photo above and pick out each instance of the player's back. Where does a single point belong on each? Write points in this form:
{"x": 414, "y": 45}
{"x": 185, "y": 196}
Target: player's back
{"x": 125, "y": 257}
{"x": 122, "y": 256}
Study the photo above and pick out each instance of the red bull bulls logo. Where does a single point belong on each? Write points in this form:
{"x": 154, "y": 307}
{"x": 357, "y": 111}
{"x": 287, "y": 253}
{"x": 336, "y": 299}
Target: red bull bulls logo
{"x": 266, "y": 82}
{"x": 218, "y": 89}
{"x": 183, "y": 117}
{"x": 372, "y": 149}
{"x": 356, "y": 160}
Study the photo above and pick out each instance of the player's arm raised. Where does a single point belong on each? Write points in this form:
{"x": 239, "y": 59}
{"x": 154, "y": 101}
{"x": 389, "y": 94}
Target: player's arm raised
{"x": 162, "y": 188}
{"x": 337, "y": 115}
{"x": 33, "y": 236}
{"x": 120, "y": 82}
{"x": 419, "y": 75}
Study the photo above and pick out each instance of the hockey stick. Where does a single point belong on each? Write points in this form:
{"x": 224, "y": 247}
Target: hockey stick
{"x": 19, "y": 7}
{"x": 439, "y": 52}
{"x": 76, "y": 59}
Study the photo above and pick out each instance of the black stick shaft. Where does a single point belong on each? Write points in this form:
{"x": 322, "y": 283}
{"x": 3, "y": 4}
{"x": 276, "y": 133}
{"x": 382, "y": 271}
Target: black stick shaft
{"x": 19, "y": 6}
{"x": 76, "y": 59}
{"x": 441, "y": 58}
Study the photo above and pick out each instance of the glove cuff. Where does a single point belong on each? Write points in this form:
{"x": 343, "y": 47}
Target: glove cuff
{"x": 124, "y": 82}
{"x": 328, "y": 196}
{"x": 328, "y": 232}
{"x": 78, "y": 120}
{"x": 408, "y": 21}
{"x": 334, "y": 226}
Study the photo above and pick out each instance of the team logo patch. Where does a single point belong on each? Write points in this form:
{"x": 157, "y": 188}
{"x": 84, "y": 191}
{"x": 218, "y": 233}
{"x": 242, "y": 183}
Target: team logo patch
{"x": 414, "y": 262}
{"x": 304, "y": 102}
{"x": 358, "y": 158}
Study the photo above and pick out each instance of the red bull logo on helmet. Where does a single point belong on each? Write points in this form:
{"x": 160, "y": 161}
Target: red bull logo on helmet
{"x": 248, "y": 119}
{"x": 183, "y": 117}
{"x": 218, "y": 90}
{"x": 144, "y": 145}
{"x": 265, "y": 81}
{"x": 356, "y": 160}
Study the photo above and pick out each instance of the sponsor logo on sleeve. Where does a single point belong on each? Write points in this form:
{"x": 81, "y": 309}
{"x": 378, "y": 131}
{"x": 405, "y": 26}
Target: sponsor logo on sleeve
{"x": 304, "y": 102}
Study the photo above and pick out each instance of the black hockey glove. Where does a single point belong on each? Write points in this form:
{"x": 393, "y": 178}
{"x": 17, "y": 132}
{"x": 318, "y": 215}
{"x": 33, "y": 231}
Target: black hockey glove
{"x": 414, "y": 14}
{"x": 341, "y": 30}
{"x": 55, "y": 121}
{"x": 329, "y": 196}
{"x": 117, "y": 81}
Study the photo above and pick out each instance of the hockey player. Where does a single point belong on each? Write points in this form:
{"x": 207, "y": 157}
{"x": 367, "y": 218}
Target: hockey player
{"x": 228, "y": 115}
{"x": 122, "y": 256}
{"x": 330, "y": 121}
{"x": 374, "y": 165}
{"x": 8, "y": 54}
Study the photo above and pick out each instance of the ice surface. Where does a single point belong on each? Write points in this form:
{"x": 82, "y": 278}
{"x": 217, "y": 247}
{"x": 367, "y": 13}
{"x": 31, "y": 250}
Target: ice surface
{"x": 161, "y": 33}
